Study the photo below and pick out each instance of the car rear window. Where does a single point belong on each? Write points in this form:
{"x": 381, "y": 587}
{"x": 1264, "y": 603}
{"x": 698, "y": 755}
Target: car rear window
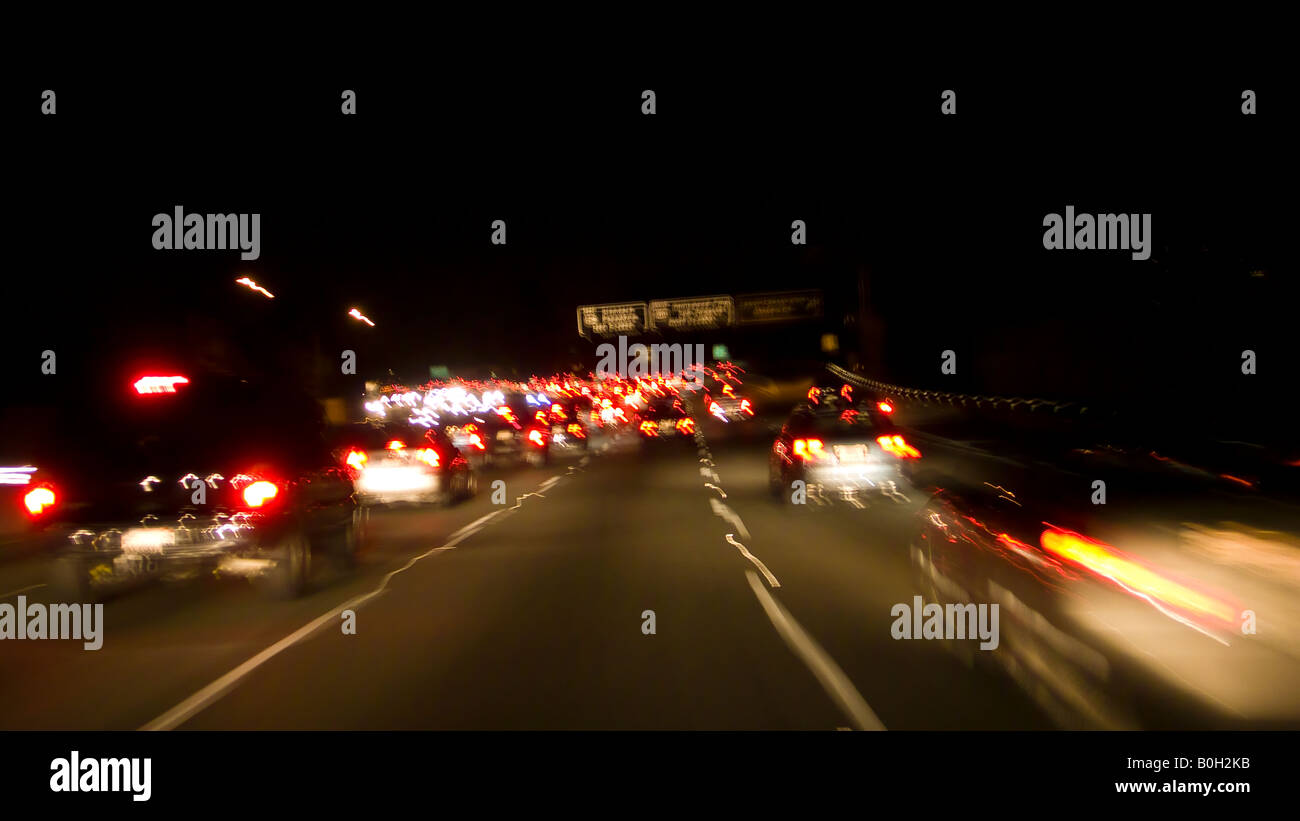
{"x": 220, "y": 424}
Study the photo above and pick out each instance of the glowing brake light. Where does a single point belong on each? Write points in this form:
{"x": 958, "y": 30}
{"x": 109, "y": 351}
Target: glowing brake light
{"x": 716, "y": 410}
{"x": 357, "y": 459}
{"x": 259, "y": 493}
{"x": 649, "y": 428}
{"x": 159, "y": 384}
{"x": 576, "y": 430}
{"x": 885, "y": 407}
{"x": 686, "y": 425}
{"x": 429, "y": 456}
{"x": 745, "y": 407}
{"x": 535, "y": 436}
{"x": 38, "y": 499}
{"x": 558, "y": 411}
{"x": 809, "y": 449}
{"x": 396, "y": 444}
{"x": 897, "y": 446}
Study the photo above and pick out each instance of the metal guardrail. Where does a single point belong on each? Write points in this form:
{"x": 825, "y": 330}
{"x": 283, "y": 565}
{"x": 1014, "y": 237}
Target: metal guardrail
{"x": 1043, "y": 407}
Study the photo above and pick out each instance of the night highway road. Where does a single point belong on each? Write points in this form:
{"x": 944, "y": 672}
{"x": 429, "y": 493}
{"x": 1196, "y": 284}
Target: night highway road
{"x": 734, "y": 415}
{"x": 532, "y": 620}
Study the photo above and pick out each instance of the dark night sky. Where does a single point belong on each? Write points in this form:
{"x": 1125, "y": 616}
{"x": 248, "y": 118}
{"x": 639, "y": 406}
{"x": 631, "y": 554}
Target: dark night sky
{"x": 391, "y": 211}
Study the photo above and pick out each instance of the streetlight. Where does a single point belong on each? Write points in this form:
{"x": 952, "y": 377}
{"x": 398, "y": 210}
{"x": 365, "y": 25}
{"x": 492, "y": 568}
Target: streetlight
{"x": 251, "y": 285}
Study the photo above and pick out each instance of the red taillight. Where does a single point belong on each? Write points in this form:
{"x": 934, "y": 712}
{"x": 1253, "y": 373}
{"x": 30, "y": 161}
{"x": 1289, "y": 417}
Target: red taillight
{"x": 535, "y": 436}
{"x": 558, "y": 412}
{"x": 38, "y": 499}
{"x": 576, "y": 430}
{"x": 429, "y": 456}
{"x": 649, "y": 428}
{"x": 885, "y": 407}
{"x": 898, "y": 446}
{"x": 809, "y": 449}
{"x": 259, "y": 493}
{"x": 477, "y": 441}
{"x": 686, "y": 426}
{"x": 396, "y": 444}
{"x": 715, "y": 409}
{"x": 813, "y": 394}
{"x": 159, "y": 384}
{"x": 745, "y": 407}
{"x": 357, "y": 459}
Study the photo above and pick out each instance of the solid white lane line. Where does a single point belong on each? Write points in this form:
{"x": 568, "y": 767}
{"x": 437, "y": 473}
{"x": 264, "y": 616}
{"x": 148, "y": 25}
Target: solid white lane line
{"x": 767, "y": 574}
{"x": 823, "y": 667}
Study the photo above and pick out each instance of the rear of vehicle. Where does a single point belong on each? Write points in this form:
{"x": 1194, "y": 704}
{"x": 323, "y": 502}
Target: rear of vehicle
{"x": 406, "y": 466}
{"x": 725, "y": 400}
{"x": 665, "y": 420}
{"x": 178, "y": 478}
{"x": 839, "y": 452}
{"x": 514, "y": 432}
{"x": 568, "y": 424}
{"x": 727, "y": 405}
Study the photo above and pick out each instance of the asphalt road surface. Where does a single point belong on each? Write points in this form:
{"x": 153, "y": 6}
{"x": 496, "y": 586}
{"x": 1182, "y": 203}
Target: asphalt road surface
{"x": 529, "y": 615}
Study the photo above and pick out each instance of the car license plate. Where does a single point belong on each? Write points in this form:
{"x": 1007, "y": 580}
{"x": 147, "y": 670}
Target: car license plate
{"x": 851, "y": 453}
{"x": 147, "y": 540}
{"x": 504, "y": 436}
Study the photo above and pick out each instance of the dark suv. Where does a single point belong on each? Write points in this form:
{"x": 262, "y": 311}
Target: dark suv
{"x": 178, "y": 477}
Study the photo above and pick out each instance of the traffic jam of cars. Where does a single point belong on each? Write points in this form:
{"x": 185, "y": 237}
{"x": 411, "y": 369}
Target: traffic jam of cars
{"x": 183, "y": 493}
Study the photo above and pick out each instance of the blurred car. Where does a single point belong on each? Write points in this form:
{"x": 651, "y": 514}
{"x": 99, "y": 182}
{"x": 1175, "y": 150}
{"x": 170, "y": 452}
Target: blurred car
{"x": 1136, "y": 614}
{"x": 510, "y": 434}
{"x": 665, "y": 419}
{"x": 723, "y": 399}
{"x": 178, "y": 477}
{"x": 729, "y": 408}
{"x": 398, "y": 464}
{"x": 840, "y": 451}
{"x": 569, "y": 424}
